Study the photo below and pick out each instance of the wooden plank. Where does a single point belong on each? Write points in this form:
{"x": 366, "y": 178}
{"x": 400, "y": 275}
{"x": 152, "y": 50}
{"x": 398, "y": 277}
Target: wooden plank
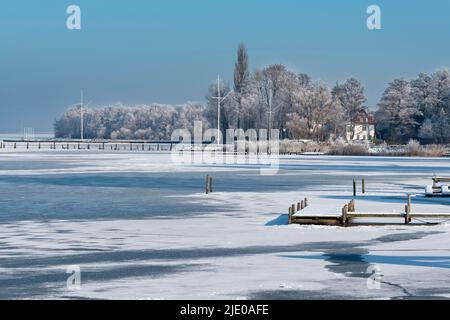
{"x": 316, "y": 220}
{"x": 441, "y": 179}
{"x": 427, "y": 215}
{"x": 396, "y": 215}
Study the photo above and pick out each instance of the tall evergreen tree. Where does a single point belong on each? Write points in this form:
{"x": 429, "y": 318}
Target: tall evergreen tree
{"x": 241, "y": 79}
{"x": 241, "y": 73}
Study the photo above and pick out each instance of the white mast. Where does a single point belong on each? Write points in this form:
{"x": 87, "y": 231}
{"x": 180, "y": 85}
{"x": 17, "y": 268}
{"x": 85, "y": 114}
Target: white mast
{"x": 220, "y": 99}
{"x": 218, "y": 109}
{"x": 270, "y": 116}
{"x": 81, "y": 118}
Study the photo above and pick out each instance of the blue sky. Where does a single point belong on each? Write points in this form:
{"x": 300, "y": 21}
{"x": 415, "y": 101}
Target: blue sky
{"x": 169, "y": 51}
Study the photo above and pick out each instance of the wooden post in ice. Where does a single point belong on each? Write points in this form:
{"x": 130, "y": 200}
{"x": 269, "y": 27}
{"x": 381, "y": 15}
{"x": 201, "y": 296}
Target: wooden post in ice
{"x": 408, "y": 210}
{"x": 208, "y": 184}
{"x": 306, "y": 202}
{"x": 290, "y": 215}
{"x": 363, "y": 185}
{"x": 351, "y": 206}
{"x": 344, "y": 215}
{"x": 354, "y": 188}
{"x": 299, "y": 206}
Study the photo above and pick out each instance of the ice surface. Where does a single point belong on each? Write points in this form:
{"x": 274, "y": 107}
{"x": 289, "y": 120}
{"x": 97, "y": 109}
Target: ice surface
{"x": 141, "y": 227}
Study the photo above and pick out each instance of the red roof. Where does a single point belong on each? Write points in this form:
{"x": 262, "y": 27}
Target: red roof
{"x": 363, "y": 117}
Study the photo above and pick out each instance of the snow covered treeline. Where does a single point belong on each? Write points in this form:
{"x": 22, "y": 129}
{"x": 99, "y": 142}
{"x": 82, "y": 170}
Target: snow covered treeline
{"x": 273, "y": 97}
{"x": 417, "y": 109}
{"x": 153, "y": 122}
{"x": 276, "y": 97}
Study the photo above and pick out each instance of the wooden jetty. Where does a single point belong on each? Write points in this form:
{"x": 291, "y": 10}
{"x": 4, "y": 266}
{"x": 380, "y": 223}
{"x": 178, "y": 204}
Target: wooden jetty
{"x": 438, "y": 189}
{"x": 349, "y": 216}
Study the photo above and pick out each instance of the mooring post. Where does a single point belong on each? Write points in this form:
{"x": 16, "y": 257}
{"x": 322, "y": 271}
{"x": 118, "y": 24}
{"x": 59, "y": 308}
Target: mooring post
{"x": 299, "y": 207}
{"x": 210, "y": 184}
{"x": 408, "y": 210}
{"x": 306, "y": 202}
{"x": 302, "y": 204}
{"x": 290, "y": 215}
{"x": 293, "y": 209}
{"x": 344, "y": 215}
{"x": 407, "y": 216}
{"x": 207, "y": 184}
{"x": 354, "y": 187}
{"x": 363, "y": 185}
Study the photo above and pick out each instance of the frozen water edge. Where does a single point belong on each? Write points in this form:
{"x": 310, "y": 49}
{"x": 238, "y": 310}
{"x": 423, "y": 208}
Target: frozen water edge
{"x": 141, "y": 228}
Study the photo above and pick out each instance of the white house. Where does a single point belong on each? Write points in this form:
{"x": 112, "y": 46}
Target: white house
{"x": 362, "y": 127}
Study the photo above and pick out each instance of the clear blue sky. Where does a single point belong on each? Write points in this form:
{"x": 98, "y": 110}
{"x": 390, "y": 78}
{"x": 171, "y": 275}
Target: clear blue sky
{"x": 169, "y": 51}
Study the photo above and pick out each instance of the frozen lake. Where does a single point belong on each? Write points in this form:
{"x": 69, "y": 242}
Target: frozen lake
{"x": 140, "y": 227}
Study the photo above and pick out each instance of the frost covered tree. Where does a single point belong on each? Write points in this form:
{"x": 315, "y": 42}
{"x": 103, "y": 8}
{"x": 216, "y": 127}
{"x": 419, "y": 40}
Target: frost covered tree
{"x": 351, "y": 98}
{"x": 154, "y": 122}
{"x": 275, "y": 87}
{"x": 431, "y": 97}
{"x": 314, "y": 112}
{"x": 397, "y": 114}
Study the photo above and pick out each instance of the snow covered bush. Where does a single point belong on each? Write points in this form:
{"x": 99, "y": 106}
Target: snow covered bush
{"x": 349, "y": 150}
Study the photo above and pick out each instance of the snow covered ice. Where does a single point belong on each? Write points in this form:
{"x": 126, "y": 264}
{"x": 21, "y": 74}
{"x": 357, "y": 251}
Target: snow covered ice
{"x": 140, "y": 227}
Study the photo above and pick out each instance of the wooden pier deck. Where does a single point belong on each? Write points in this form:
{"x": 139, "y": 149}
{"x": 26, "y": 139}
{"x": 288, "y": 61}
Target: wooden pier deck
{"x": 351, "y": 217}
